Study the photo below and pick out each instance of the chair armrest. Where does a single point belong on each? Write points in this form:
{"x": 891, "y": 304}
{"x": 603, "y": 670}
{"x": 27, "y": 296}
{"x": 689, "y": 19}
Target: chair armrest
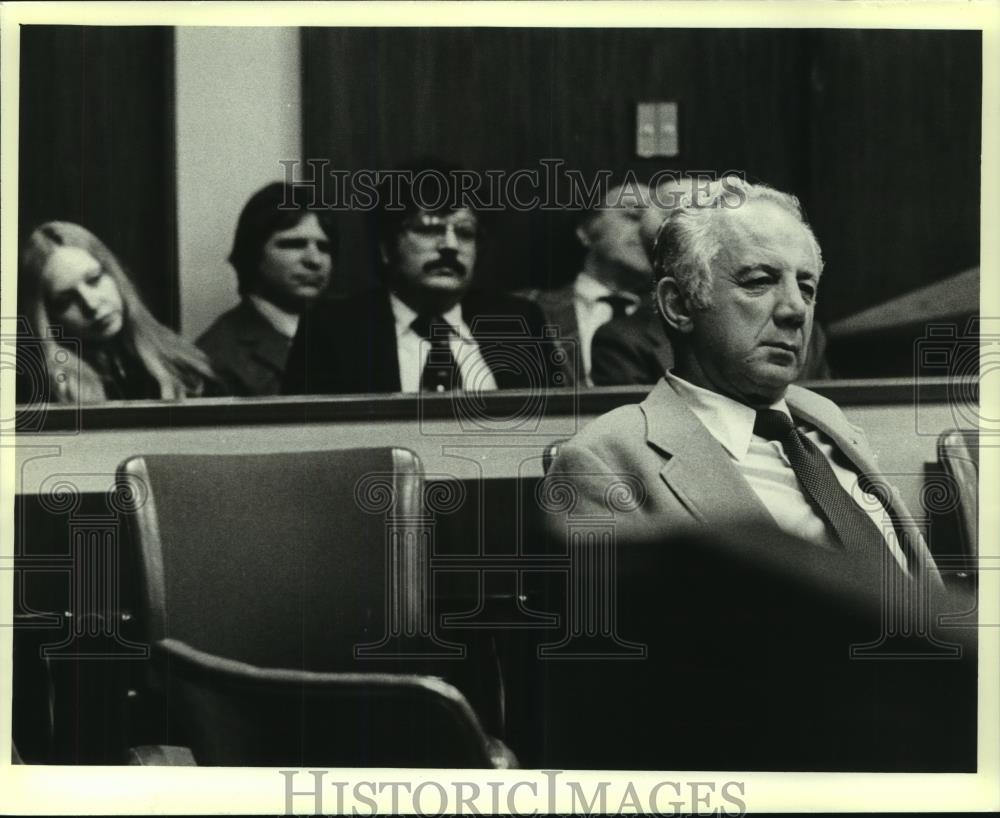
{"x": 501, "y": 755}
{"x": 160, "y": 755}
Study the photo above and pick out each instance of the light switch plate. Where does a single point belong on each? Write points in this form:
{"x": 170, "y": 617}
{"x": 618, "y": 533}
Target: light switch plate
{"x": 656, "y": 129}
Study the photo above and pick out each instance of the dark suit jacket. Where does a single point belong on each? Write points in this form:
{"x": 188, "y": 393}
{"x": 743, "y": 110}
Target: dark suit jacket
{"x": 349, "y": 346}
{"x": 559, "y": 308}
{"x": 246, "y": 351}
{"x": 629, "y": 350}
{"x": 634, "y": 349}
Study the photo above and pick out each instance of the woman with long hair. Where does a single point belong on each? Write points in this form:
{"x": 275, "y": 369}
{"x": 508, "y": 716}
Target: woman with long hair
{"x": 96, "y": 338}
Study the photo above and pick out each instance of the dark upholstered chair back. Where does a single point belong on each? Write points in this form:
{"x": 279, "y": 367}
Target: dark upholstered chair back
{"x": 278, "y": 560}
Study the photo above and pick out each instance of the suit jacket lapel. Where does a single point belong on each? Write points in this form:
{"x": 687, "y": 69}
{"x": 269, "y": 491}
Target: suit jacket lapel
{"x": 560, "y": 310}
{"x": 265, "y": 343}
{"x": 368, "y": 321}
{"x": 849, "y": 442}
{"x": 698, "y": 470}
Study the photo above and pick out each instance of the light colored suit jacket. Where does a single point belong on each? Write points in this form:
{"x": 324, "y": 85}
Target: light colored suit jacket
{"x": 663, "y": 473}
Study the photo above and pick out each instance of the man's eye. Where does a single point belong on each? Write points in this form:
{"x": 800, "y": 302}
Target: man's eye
{"x": 93, "y": 278}
{"x": 324, "y": 247}
{"x": 291, "y": 244}
{"x": 756, "y": 282}
{"x": 427, "y": 230}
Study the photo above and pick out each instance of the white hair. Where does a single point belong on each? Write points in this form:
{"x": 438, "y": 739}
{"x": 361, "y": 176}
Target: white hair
{"x": 688, "y": 240}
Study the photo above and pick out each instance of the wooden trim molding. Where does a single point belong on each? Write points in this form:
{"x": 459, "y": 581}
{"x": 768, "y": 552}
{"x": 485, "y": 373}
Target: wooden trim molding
{"x": 506, "y": 404}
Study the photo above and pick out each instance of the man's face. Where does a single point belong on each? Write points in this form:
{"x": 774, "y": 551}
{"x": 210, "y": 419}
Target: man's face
{"x": 432, "y": 262}
{"x": 615, "y": 252}
{"x": 751, "y": 342}
{"x": 295, "y": 265}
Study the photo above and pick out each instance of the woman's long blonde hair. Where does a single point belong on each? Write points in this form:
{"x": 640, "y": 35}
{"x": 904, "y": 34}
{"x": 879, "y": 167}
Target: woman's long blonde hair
{"x": 179, "y": 367}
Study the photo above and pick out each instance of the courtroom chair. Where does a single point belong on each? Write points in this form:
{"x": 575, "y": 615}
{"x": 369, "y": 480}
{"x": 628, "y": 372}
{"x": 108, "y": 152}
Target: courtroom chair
{"x": 550, "y": 454}
{"x": 279, "y": 562}
{"x": 241, "y": 715}
{"x": 958, "y": 454}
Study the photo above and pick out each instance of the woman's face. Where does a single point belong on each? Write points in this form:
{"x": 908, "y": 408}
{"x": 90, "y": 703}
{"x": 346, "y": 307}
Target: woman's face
{"x": 81, "y": 296}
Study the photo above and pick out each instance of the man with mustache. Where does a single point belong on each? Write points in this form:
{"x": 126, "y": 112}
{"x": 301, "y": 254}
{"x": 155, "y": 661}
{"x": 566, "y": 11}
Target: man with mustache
{"x": 427, "y": 328}
{"x": 283, "y": 261}
{"x": 725, "y": 442}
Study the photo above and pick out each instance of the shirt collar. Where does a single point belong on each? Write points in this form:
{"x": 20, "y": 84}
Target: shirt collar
{"x": 287, "y": 323}
{"x": 589, "y": 288}
{"x": 404, "y": 315}
{"x": 729, "y": 421}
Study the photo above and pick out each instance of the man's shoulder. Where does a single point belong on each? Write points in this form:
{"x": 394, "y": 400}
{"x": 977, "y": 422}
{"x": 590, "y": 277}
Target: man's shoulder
{"x": 814, "y": 406}
{"x": 621, "y": 428}
{"x": 493, "y": 306}
{"x": 556, "y": 296}
{"x": 349, "y": 315}
{"x": 224, "y": 329}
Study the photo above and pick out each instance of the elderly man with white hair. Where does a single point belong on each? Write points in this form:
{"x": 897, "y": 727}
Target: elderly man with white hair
{"x": 725, "y": 441}
{"x": 633, "y": 349}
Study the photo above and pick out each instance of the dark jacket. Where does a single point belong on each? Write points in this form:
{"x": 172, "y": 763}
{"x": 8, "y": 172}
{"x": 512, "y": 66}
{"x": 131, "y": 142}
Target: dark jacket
{"x": 246, "y": 351}
{"x": 349, "y": 346}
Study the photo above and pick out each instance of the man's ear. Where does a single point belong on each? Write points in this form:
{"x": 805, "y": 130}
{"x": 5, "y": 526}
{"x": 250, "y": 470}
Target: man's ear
{"x": 674, "y": 307}
{"x": 583, "y": 235}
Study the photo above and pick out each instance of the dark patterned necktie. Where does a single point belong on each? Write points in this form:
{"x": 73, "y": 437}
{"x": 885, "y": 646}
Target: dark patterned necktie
{"x": 853, "y": 527}
{"x": 441, "y": 373}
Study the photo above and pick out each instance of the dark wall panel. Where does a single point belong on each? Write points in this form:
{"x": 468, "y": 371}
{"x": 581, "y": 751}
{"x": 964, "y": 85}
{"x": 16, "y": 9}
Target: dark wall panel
{"x": 878, "y": 132}
{"x": 894, "y": 151}
{"x": 97, "y": 144}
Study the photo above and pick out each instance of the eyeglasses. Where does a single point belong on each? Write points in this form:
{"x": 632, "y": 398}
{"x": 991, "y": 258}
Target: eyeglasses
{"x": 436, "y": 229}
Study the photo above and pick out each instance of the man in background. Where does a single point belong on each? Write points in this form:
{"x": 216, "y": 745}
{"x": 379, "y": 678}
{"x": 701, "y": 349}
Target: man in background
{"x": 615, "y": 277}
{"x": 633, "y": 349}
{"x": 426, "y": 328}
{"x": 283, "y": 256}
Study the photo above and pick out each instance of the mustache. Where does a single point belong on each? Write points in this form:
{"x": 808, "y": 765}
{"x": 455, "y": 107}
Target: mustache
{"x": 445, "y": 263}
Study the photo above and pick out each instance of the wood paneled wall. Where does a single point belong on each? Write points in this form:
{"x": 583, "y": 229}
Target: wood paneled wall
{"x": 97, "y": 144}
{"x": 877, "y": 132}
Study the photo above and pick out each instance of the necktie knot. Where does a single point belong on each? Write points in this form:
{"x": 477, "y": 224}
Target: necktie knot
{"x": 430, "y": 326}
{"x": 773, "y": 425}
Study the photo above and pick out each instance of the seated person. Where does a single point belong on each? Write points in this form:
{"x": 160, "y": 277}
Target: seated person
{"x": 725, "y": 438}
{"x": 95, "y": 338}
{"x": 426, "y": 328}
{"x": 616, "y": 277}
{"x": 283, "y": 260}
{"x": 633, "y": 349}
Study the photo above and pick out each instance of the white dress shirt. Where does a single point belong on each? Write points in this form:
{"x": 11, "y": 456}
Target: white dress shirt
{"x": 592, "y": 313}
{"x": 770, "y": 474}
{"x": 412, "y": 350}
{"x": 287, "y": 323}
